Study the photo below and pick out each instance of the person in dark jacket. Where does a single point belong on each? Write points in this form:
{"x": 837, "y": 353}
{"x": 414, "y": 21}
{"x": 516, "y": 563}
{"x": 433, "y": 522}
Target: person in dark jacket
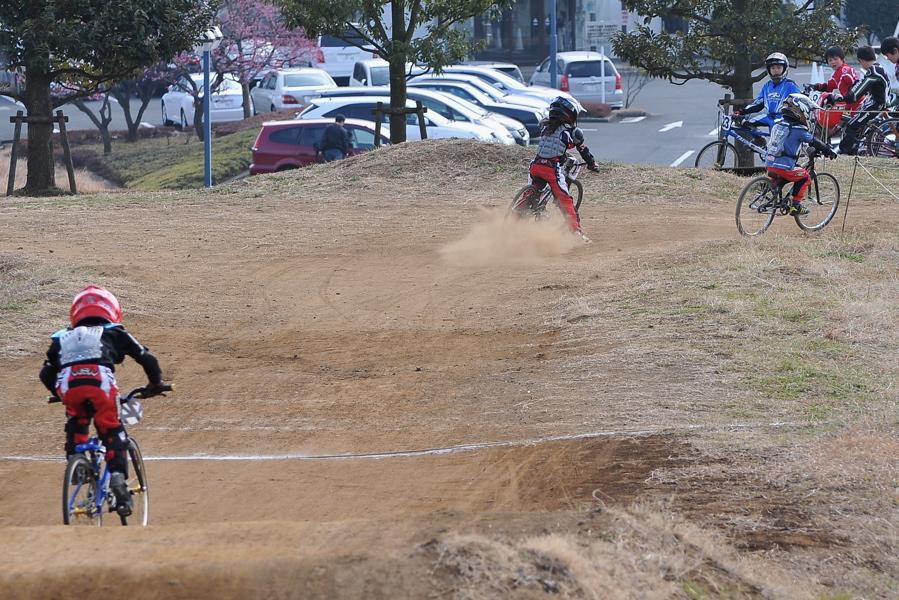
{"x": 80, "y": 369}
{"x": 335, "y": 140}
{"x": 875, "y": 85}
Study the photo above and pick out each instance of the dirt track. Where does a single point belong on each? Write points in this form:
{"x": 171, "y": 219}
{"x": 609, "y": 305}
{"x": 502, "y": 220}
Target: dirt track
{"x": 376, "y": 394}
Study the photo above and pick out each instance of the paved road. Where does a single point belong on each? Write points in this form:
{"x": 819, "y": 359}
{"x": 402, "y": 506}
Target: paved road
{"x": 680, "y": 120}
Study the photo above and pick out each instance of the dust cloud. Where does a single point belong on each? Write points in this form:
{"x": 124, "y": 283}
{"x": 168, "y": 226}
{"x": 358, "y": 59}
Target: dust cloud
{"x": 496, "y": 241}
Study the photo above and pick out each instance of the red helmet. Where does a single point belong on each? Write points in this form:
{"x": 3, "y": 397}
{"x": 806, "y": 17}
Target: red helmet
{"x": 95, "y": 301}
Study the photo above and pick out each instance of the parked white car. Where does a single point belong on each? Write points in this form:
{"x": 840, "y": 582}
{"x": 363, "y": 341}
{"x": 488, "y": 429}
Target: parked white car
{"x": 452, "y": 107}
{"x": 285, "y": 88}
{"x": 504, "y": 82}
{"x": 337, "y": 56}
{"x": 370, "y": 73}
{"x": 360, "y": 107}
{"x": 588, "y": 76}
{"x": 178, "y": 103}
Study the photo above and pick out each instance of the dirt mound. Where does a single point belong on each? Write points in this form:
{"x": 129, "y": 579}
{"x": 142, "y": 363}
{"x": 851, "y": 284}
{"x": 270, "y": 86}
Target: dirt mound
{"x": 386, "y": 390}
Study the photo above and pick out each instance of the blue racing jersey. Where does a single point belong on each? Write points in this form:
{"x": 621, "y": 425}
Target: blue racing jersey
{"x": 785, "y": 144}
{"x": 771, "y": 97}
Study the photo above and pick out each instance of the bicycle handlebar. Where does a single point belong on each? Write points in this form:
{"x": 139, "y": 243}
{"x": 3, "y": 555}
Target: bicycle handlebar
{"x": 140, "y": 392}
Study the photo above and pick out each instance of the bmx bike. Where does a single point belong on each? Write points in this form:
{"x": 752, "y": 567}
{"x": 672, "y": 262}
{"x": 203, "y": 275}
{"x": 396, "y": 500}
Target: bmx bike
{"x": 85, "y": 490}
{"x": 532, "y": 203}
{"x": 763, "y": 198}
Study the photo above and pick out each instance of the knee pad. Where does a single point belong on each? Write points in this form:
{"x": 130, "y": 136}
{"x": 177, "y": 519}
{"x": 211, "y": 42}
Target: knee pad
{"x": 77, "y": 432}
{"x": 116, "y": 441}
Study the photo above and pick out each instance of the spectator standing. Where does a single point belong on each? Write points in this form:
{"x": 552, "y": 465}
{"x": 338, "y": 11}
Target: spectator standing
{"x": 335, "y": 140}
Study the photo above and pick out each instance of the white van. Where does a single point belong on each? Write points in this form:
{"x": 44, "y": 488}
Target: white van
{"x": 338, "y": 57}
{"x": 370, "y": 73}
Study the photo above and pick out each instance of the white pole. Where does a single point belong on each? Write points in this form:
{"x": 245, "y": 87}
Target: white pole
{"x": 602, "y": 73}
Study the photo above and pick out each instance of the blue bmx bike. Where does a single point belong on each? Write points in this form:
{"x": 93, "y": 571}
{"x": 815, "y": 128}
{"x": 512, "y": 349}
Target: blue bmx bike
{"x": 86, "y": 495}
{"x": 732, "y": 131}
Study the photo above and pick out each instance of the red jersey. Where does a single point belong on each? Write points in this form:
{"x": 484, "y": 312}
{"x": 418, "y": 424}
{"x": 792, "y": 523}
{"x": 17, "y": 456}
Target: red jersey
{"x": 841, "y": 81}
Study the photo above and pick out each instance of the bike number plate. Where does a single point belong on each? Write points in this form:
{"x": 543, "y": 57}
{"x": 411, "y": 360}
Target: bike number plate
{"x": 131, "y": 412}
{"x": 726, "y": 122}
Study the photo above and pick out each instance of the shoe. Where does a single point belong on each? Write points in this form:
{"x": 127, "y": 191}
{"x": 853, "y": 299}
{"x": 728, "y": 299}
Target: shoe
{"x": 583, "y": 237}
{"x": 123, "y": 502}
{"x": 798, "y": 210}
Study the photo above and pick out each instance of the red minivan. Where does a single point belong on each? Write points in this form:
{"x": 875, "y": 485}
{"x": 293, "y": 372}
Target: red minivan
{"x": 283, "y": 145}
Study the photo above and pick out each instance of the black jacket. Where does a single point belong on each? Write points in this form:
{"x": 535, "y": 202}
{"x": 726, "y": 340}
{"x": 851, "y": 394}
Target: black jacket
{"x": 116, "y": 344}
{"x": 335, "y": 137}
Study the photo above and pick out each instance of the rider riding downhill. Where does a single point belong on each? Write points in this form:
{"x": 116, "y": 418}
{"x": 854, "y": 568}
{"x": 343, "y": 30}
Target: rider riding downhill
{"x": 80, "y": 370}
{"x": 558, "y": 134}
{"x": 787, "y": 139}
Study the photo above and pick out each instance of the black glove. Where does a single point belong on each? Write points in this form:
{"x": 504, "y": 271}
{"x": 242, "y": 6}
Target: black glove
{"x": 154, "y": 389}
{"x": 594, "y": 167}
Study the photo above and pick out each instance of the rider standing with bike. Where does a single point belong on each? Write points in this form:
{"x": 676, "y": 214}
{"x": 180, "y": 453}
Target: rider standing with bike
{"x": 787, "y": 138}
{"x": 875, "y": 84}
{"x": 558, "y": 134}
{"x": 773, "y": 93}
{"x": 80, "y": 370}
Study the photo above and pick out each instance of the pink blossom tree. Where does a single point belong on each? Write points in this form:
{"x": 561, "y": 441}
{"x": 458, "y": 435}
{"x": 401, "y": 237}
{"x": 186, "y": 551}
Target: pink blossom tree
{"x": 257, "y": 40}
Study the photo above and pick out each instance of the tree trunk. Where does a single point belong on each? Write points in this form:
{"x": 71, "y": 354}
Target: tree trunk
{"x": 41, "y": 177}
{"x": 101, "y": 122}
{"x": 742, "y": 91}
{"x": 398, "y": 74}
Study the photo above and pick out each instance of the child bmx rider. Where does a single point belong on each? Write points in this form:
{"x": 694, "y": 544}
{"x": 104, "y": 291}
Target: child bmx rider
{"x": 787, "y": 139}
{"x": 79, "y": 369}
{"x": 558, "y": 134}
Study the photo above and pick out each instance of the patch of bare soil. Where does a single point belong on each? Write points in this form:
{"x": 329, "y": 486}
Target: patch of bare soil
{"x": 384, "y": 390}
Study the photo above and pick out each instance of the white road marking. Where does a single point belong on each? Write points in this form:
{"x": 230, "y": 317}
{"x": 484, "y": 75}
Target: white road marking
{"x": 682, "y": 158}
{"x": 433, "y": 451}
{"x": 671, "y": 126}
{"x": 714, "y": 132}
{"x": 147, "y": 125}
{"x": 632, "y": 119}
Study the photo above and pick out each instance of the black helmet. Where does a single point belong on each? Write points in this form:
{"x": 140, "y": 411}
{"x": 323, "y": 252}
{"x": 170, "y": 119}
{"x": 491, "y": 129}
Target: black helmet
{"x": 777, "y": 59}
{"x": 566, "y": 109}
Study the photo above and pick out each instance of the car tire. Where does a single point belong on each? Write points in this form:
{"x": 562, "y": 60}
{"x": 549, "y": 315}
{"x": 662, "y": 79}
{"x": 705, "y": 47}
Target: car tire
{"x": 166, "y": 121}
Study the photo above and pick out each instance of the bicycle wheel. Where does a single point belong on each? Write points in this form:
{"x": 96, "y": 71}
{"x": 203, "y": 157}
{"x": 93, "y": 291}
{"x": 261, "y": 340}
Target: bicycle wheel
{"x": 520, "y": 206}
{"x": 717, "y": 155}
{"x": 882, "y": 139}
{"x": 822, "y": 199}
{"x": 757, "y": 206}
{"x": 79, "y": 493}
{"x": 137, "y": 485}
{"x": 576, "y": 191}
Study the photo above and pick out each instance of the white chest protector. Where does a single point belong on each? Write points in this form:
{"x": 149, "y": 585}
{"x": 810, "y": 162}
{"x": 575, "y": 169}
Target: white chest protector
{"x": 552, "y": 145}
{"x": 81, "y": 344}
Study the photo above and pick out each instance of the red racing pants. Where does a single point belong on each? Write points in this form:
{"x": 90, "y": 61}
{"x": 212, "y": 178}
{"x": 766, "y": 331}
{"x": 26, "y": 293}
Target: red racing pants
{"x": 799, "y": 177}
{"x": 89, "y": 392}
{"x": 547, "y": 171}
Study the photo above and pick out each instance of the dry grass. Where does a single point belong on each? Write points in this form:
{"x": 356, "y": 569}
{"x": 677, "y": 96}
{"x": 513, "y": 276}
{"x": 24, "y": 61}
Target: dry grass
{"x": 85, "y": 181}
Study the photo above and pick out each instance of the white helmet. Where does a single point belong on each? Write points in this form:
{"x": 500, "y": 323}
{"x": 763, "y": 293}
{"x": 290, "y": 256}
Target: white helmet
{"x": 777, "y": 59}
{"x": 799, "y": 108}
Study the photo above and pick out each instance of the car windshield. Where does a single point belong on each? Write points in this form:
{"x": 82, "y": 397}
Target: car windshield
{"x": 328, "y": 41}
{"x": 227, "y": 85}
{"x": 380, "y": 75}
{"x": 588, "y": 68}
{"x": 311, "y": 78}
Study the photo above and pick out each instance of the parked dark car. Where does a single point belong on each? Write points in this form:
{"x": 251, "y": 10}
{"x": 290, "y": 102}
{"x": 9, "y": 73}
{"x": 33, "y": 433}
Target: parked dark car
{"x": 283, "y": 145}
